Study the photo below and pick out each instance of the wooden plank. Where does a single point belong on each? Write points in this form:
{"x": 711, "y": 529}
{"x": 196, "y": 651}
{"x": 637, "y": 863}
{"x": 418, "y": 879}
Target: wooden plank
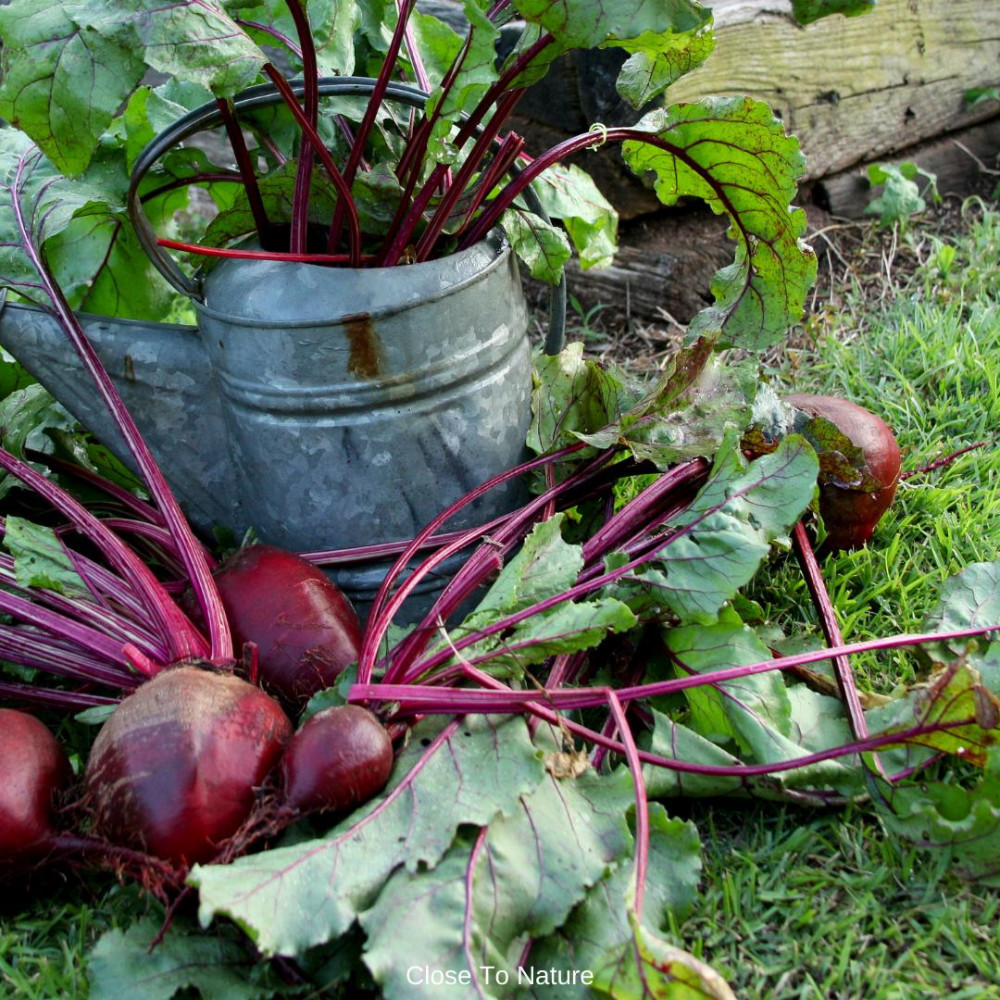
{"x": 956, "y": 160}
{"x": 855, "y": 89}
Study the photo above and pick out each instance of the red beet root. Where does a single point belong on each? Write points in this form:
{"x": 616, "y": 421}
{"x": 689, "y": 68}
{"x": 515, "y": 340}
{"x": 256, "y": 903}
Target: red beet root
{"x": 339, "y": 759}
{"x": 34, "y": 769}
{"x": 173, "y": 770}
{"x": 305, "y": 629}
{"x": 850, "y": 515}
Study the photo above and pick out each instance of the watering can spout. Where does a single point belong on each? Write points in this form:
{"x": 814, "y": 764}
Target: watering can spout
{"x": 163, "y": 374}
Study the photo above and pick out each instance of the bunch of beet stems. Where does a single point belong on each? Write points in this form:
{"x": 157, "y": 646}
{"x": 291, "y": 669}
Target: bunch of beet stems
{"x": 127, "y": 625}
{"x": 432, "y": 198}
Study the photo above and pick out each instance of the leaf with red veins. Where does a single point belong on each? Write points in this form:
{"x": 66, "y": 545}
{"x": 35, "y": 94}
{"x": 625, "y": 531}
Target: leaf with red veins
{"x": 733, "y": 154}
{"x": 62, "y": 83}
{"x": 68, "y": 68}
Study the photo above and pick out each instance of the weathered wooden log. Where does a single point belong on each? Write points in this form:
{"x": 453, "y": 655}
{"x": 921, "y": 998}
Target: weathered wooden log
{"x": 855, "y": 89}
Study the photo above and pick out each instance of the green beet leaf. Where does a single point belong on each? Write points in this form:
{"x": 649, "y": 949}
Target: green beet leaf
{"x": 569, "y": 194}
{"x": 521, "y": 876}
{"x": 375, "y": 195}
{"x": 969, "y": 599}
{"x": 124, "y": 964}
{"x": 49, "y": 48}
{"x": 665, "y": 38}
{"x": 40, "y": 560}
{"x": 650, "y": 70}
{"x": 963, "y": 822}
{"x": 47, "y": 55}
{"x": 545, "y": 565}
{"x": 755, "y": 713}
{"x": 89, "y": 246}
{"x": 807, "y": 11}
{"x": 755, "y": 710}
{"x": 476, "y": 73}
{"x": 543, "y": 247}
{"x": 331, "y": 22}
{"x": 292, "y": 898}
{"x": 601, "y": 922}
{"x": 728, "y": 530}
{"x": 649, "y": 966}
{"x": 733, "y": 154}
{"x": 679, "y": 742}
{"x": 589, "y": 23}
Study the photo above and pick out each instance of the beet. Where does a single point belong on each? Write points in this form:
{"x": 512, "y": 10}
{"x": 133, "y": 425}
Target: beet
{"x": 850, "y": 515}
{"x": 340, "y": 758}
{"x": 34, "y": 768}
{"x": 174, "y": 769}
{"x": 305, "y": 629}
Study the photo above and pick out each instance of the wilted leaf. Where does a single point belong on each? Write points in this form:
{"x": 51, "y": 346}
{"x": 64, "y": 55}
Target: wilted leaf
{"x": 574, "y": 396}
{"x": 688, "y": 411}
{"x": 648, "y": 966}
{"x": 951, "y": 713}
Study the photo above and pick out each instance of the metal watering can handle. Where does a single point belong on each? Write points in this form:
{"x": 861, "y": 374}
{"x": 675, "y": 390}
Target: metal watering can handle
{"x": 209, "y": 116}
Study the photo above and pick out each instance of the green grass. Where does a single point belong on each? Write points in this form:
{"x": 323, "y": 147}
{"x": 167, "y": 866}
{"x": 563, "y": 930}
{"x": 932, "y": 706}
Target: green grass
{"x": 826, "y": 905}
{"x": 807, "y": 905}
{"x": 46, "y": 930}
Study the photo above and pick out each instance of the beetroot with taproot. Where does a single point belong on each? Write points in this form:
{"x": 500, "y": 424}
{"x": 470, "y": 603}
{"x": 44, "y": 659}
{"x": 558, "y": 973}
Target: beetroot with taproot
{"x": 35, "y": 769}
{"x": 338, "y": 760}
{"x": 174, "y": 770}
{"x": 850, "y": 515}
{"x": 305, "y": 629}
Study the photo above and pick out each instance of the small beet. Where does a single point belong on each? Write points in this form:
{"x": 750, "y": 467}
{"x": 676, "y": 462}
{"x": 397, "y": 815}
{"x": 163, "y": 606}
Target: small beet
{"x": 305, "y": 629}
{"x": 34, "y": 768}
{"x": 339, "y": 759}
{"x": 850, "y": 515}
{"x": 174, "y": 769}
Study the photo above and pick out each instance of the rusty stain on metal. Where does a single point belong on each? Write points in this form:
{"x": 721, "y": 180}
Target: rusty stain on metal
{"x": 365, "y": 357}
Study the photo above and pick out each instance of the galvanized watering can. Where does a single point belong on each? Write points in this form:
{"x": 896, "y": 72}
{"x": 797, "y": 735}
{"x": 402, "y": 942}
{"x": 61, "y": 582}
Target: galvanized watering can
{"x": 322, "y": 407}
